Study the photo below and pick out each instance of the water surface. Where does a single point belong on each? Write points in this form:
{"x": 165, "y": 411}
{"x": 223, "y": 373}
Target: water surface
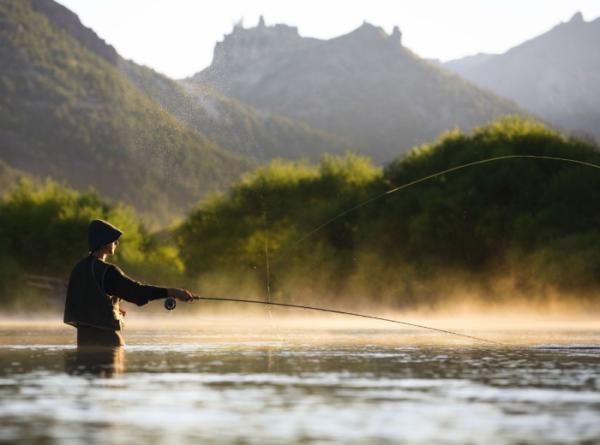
{"x": 299, "y": 386}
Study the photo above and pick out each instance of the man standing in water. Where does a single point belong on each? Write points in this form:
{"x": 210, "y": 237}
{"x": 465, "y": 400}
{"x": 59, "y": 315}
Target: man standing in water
{"x": 96, "y": 287}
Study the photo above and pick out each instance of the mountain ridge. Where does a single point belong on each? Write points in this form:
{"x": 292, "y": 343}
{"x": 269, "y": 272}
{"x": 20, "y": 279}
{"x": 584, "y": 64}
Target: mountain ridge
{"x": 552, "y": 74}
{"x": 242, "y": 131}
{"x": 64, "y": 18}
{"x": 74, "y": 110}
{"x": 364, "y": 86}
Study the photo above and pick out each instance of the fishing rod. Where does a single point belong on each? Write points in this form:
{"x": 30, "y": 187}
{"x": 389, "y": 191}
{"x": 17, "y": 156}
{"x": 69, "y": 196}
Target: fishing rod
{"x": 433, "y": 176}
{"x": 171, "y": 303}
{"x": 278, "y": 258}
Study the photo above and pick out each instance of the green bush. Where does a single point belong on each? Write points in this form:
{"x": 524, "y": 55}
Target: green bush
{"x": 43, "y": 230}
{"x": 529, "y": 218}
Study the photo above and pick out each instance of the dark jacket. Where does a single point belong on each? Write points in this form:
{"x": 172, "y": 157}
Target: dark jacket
{"x": 87, "y": 303}
{"x": 94, "y": 291}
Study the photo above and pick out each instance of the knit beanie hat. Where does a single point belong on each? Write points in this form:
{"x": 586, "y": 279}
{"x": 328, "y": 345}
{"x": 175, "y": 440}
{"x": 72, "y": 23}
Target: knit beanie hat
{"x": 101, "y": 233}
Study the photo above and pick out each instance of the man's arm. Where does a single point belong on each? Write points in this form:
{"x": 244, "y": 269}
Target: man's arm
{"x": 117, "y": 284}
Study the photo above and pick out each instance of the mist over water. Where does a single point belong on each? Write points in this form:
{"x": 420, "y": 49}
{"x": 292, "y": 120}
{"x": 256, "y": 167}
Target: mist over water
{"x": 485, "y": 265}
{"x": 237, "y": 379}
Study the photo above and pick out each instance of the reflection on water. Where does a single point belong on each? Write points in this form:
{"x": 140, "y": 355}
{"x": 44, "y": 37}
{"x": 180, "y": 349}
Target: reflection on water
{"x": 100, "y": 362}
{"x": 351, "y": 387}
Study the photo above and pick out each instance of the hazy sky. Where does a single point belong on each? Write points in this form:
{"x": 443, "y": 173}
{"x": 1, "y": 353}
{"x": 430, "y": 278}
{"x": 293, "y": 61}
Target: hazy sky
{"x": 177, "y": 37}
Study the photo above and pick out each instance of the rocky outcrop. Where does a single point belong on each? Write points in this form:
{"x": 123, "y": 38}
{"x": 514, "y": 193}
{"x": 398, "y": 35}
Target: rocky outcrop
{"x": 365, "y": 86}
{"x": 252, "y": 50}
{"x": 396, "y": 36}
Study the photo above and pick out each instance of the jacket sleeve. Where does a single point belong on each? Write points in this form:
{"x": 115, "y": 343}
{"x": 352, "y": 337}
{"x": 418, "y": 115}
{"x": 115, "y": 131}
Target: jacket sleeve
{"x": 117, "y": 284}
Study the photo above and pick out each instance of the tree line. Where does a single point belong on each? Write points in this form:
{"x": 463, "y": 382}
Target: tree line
{"x": 518, "y": 226}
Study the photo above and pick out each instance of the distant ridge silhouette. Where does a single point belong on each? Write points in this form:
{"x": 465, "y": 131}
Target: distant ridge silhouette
{"x": 364, "y": 86}
{"x": 554, "y": 75}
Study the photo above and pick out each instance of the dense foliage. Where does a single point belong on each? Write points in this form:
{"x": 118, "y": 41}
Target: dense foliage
{"x": 530, "y": 225}
{"x": 43, "y": 230}
{"x": 9, "y": 177}
{"x": 516, "y": 226}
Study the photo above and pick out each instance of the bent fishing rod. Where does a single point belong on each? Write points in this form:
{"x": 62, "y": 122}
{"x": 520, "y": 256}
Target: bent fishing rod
{"x": 436, "y": 175}
{"x": 171, "y": 303}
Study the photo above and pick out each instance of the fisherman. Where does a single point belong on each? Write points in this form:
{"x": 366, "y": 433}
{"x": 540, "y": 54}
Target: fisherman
{"x": 96, "y": 288}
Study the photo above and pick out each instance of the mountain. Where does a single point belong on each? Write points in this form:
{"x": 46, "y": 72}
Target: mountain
{"x": 234, "y": 126}
{"x": 66, "y": 111}
{"x": 365, "y": 86}
{"x": 554, "y": 75}
{"x": 467, "y": 63}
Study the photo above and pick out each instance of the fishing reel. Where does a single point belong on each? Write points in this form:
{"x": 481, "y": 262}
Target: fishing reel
{"x": 170, "y": 303}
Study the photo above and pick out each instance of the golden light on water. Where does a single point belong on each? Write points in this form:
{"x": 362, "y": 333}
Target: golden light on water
{"x": 506, "y": 327}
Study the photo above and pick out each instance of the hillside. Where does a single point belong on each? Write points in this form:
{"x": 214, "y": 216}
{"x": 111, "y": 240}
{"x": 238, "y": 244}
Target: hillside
{"x": 554, "y": 75}
{"x": 364, "y": 86}
{"x": 234, "y": 126}
{"x": 67, "y": 112}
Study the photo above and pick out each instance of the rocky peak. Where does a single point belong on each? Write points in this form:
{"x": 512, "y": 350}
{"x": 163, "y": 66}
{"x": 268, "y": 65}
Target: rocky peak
{"x": 396, "y": 35}
{"x": 371, "y": 36}
{"x": 367, "y": 31}
{"x": 577, "y": 18}
{"x": 63, "y": 18}
{"x": 245, "y": 44}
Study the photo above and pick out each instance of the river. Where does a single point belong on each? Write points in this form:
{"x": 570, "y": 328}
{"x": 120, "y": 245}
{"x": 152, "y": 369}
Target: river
{"x": 299, "y": 385}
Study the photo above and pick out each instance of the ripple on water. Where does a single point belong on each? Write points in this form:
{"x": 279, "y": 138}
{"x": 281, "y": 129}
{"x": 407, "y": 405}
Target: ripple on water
{"x": 264, "y": 391}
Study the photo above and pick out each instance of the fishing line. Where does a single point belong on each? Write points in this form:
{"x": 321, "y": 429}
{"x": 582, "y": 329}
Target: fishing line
{"x": 267, "y": 256}
{"x": 375, "y": 198}
{"x": 370, "y": 200}
{"x": 268, "y": 266}
{"x": 267, "y": 263}
{"x": 354, "y": 314}
{"x": 424, "y": 179}
{"x": 432, "y": 176}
